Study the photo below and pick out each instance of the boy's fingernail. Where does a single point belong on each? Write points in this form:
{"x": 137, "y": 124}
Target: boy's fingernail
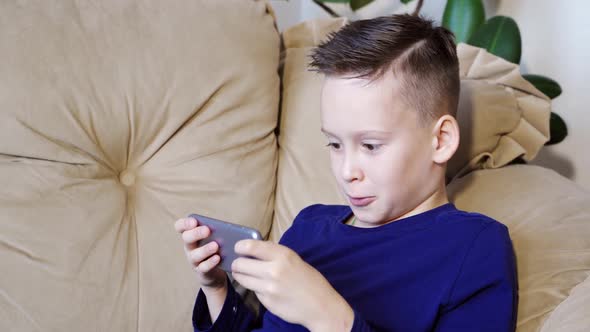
{"x": 239, "y": 246}
{"x": 242, "y": 246}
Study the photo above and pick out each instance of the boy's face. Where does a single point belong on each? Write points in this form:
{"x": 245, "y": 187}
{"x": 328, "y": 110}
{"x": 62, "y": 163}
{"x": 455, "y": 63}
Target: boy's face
{"x": 380, "y": 155}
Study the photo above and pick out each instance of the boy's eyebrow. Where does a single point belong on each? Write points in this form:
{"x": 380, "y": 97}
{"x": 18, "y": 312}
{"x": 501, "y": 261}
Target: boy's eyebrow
{"x": 373, "y": 132}
{"x": 326, "y": 132}
{"x": 361, "y": 132}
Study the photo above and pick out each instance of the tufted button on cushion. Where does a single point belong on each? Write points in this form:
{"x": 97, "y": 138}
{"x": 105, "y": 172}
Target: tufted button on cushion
{"x": 127, "y": 178}
{"x": 118, "y": 117}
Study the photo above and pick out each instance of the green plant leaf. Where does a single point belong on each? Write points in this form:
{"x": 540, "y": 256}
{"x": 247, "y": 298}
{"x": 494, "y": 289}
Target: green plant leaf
{"x": 463, "y": 17}
{"x": 500, "y": 36}
{"x": 544, "y": 84}
{"x": 557, "y": 129}
{"x": 405, "y": 2}
{"x": 340, "y": 1}
{"x": 356, "y": 4}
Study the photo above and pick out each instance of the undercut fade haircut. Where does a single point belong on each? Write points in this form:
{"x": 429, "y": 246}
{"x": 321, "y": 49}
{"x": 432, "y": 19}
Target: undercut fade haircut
{"x": 423, "y": 57}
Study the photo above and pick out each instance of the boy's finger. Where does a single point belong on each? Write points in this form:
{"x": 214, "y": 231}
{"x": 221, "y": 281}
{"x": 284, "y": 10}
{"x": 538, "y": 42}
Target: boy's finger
{"x": 251, "y": 267}
{"x": 195, "y": 234}
{"x": 264, "y": 250}
{"x": 200, "y": 254}
{"x": 209, "y": 264}
{"x": 184, "y": 224}
{"x": 252, "y": 283}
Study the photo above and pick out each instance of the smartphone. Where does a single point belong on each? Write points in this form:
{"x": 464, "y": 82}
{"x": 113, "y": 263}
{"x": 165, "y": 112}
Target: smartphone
{"x": 226, "y": 235}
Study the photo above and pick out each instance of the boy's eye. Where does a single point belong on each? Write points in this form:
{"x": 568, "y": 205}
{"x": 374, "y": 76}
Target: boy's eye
{"x": 371, "y": 147}
{"x": 334, "y": 146}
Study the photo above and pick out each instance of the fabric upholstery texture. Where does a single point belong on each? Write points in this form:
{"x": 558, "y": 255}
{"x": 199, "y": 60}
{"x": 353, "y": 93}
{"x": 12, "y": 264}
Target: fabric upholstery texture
{"x": 573, "y": 314}
{"x": 117, "y": 118}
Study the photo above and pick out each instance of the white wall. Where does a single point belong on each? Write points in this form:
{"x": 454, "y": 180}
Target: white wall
{"x": 556, "y": 43}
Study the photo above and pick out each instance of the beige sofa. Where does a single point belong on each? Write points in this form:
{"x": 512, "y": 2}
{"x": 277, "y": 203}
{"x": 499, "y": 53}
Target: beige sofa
{"x": 117, "y": 117}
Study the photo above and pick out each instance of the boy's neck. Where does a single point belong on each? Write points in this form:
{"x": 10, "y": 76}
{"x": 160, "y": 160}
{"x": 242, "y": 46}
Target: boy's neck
{"x": 437, "y": 198}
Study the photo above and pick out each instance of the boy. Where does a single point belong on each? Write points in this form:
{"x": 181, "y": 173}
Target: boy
{"x": 400, "y": 257}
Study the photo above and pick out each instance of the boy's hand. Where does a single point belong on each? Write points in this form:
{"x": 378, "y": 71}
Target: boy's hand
{"x": 290, "y": 288}
{"x": 203, "y": 259}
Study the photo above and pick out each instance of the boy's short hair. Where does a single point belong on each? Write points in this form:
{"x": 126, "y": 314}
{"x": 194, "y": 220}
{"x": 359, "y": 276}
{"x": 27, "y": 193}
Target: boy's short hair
{"x": 422, "y": 56}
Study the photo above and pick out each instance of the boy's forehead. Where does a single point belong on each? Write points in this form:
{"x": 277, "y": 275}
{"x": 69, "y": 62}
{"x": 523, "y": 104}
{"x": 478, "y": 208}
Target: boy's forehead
{"x": 342, "y": 91}
{"x": 387, "y": 84}
{"x": 350, "y": 81}
{"x": 374, "y": 104}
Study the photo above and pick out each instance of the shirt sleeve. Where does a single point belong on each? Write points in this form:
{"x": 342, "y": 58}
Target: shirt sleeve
{"x": 360, "y": 325}
{"x": 234, "y": 315}
{"x": 295, "y": 234}
{"x": 485, "y": 294}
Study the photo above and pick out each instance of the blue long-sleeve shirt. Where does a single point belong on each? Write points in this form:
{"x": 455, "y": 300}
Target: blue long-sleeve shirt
{"x": 440, "y": 270}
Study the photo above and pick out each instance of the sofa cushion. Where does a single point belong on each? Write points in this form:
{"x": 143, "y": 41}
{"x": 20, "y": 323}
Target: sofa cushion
{"x": 573, "y": 313}
{"x": 117, "y": 118}
{"x": 548, "y": 219}
{"x": 501, "y": 117}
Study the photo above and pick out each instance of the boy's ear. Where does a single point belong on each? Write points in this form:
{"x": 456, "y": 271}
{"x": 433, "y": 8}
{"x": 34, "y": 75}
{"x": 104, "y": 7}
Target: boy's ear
{"x": 445, "y": 138}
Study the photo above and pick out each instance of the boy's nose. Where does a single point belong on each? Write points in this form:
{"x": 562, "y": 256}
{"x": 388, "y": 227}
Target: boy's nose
{"x": 351, "y": 171}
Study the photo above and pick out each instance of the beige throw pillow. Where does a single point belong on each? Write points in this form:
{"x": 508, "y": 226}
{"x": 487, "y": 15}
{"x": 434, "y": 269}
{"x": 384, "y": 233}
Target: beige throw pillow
{"x": 501, "y": 115}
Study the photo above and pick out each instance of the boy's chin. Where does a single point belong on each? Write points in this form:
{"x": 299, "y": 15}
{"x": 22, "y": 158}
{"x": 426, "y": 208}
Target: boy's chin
{"x": 365, "y": 215}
